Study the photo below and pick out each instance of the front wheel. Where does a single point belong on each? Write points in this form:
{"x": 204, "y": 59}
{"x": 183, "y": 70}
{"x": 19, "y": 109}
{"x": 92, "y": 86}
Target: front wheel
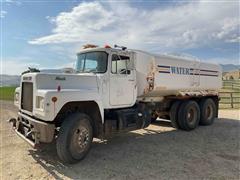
{"x": 75, "y": 138}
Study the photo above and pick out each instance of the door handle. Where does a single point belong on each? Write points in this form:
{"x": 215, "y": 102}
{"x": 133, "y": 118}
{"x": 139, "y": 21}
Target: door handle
{"x": 131, "y": 80}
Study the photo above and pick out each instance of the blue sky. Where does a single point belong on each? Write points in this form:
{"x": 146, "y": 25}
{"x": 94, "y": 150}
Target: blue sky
{"x": 47, "y": 34}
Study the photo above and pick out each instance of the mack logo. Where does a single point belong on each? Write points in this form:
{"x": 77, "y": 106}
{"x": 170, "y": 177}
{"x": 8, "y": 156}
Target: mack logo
{"x": 60, "y": 78}
{"x": 27, "y": 78}
{"x": 180, "y": 70}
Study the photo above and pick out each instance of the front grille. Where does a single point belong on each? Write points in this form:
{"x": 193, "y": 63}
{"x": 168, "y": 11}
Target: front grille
{"x": 27, "y": 96}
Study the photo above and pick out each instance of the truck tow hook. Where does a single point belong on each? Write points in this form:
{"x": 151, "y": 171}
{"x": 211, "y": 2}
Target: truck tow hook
{"x": 13, "y": 121}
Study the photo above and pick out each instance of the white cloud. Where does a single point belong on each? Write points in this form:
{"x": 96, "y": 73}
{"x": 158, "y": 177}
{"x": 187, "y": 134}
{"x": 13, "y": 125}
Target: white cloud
{"x": 12, "y": 2}
{"x": 234, "y": 40}
{"x": 3, "y": 14}
{"x": 230, "y": 30}
{"x": 8, "y": 1}
{"x": 185, "y": 26}
{"x": 80, "y": 22}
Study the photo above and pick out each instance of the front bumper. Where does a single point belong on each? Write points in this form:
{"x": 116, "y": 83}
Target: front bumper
{"x": 33, "y": 131}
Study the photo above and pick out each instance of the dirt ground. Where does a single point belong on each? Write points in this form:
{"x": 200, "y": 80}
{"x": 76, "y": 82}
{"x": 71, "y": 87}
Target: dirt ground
{"x": 158, "y": 152}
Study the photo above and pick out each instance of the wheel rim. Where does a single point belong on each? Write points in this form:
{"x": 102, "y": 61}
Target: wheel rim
{"x": 209, "y": 112}
{"x": 191, "y": 115}
{"x": 80, "y": 139}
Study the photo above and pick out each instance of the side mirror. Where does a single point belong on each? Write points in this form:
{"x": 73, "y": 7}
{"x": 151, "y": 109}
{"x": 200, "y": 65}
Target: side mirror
{"x": 130, "y": 65}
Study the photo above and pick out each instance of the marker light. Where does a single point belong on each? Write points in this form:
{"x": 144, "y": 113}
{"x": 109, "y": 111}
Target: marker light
{"x": 59, "y": 88}
{"x": 54, "y": 99}
{"x": 107, "y": 46}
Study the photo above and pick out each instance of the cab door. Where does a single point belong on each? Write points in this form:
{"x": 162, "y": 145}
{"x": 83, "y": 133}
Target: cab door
{"x": 122, "y": 80}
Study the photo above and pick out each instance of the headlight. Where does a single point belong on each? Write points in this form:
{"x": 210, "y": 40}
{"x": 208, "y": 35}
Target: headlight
{"x": 40, "y": 102}
{"x": 16, "y": 97}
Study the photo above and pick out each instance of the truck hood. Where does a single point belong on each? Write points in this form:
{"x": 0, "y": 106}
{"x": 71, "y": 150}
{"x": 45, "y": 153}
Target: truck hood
{"x": 65, "y": 81}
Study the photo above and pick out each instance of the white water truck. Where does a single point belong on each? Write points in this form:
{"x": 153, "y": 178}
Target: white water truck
{"x": 113, "y": 90}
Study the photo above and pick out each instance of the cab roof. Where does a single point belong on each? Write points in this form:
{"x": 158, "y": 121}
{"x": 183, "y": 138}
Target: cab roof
{"x": 102, "y": 49}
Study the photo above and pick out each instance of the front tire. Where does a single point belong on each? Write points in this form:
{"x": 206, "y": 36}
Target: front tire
{"x": 189, "y": 115}
{"x": 75, "y": 138}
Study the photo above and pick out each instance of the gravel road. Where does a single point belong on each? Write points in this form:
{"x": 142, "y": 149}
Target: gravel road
{"x": 158, "y": 152}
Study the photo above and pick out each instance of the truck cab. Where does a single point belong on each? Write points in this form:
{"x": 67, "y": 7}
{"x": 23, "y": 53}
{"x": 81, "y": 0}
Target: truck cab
{"x": 104, "y": 81}
{"x": 116, "y": 74}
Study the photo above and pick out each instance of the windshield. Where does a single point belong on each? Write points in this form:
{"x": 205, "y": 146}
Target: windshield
{"x": 95, "y": 62}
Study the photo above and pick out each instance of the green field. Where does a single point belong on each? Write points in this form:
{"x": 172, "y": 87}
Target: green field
{"x": 7, "y": 93}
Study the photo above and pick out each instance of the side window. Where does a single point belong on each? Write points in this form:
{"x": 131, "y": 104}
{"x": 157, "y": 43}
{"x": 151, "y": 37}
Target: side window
{"x": 119, "y": 64}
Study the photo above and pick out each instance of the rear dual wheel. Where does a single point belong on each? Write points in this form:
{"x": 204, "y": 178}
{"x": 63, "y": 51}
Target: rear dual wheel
{"x": 208, "y": 110}
{"x": 174, "y": 114}
{"x": 187, "y": 115}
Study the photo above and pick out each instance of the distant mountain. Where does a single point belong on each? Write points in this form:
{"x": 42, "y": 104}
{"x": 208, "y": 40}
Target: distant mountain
{"x": 230, "y": 67}
{"x": 51, "y": 70}
{"x": 14, "y": 80}
{"x": 9, "y": 80}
